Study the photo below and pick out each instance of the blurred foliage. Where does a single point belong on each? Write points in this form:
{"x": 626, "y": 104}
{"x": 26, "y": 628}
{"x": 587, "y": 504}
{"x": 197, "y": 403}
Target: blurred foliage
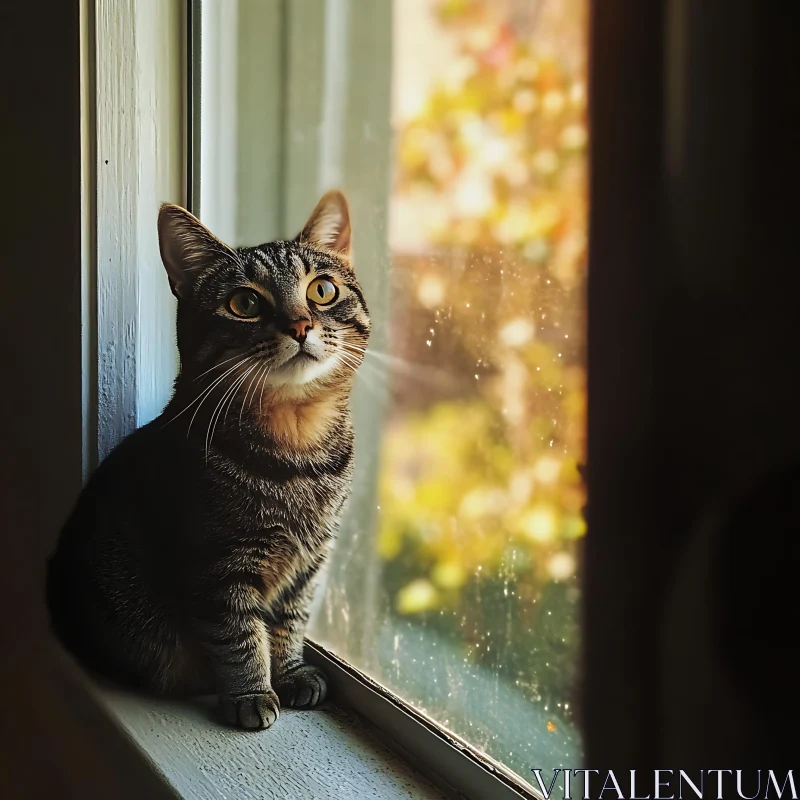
{"x": 480, "y": 496}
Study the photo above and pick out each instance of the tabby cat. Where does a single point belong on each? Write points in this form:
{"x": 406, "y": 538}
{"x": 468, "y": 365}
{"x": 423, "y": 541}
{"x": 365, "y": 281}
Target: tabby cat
{"x": 189, "y": 562}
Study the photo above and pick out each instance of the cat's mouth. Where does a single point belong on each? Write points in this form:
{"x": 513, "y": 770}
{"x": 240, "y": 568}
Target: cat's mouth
{"x": 302, "y": 355}
{"x": 301, "y": 363}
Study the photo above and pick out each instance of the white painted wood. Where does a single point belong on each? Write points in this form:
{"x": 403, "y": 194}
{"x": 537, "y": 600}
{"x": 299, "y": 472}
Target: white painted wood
{"x": 451, "y": 762}
{"x": 139, "y": 147}
{"x": 117, "y": 164}
{"x": 88, "y": 241}
{"x": 313, "y": 755}
{"x": 161, "y": 44}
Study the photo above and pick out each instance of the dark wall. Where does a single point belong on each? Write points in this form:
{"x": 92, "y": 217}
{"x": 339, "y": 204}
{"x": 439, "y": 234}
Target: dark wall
{"x": 54, "y": 740}
{"x": 40, "y": 274}
{"x": 694, "y": 443}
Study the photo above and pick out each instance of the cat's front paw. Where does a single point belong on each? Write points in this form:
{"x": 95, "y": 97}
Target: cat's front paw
{"x": 303, "y": 686}
{"x": 252, "y": 711}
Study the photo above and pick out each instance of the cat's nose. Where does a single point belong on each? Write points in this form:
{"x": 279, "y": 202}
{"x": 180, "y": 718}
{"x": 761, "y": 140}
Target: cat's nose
{"x": 299, "y": 328}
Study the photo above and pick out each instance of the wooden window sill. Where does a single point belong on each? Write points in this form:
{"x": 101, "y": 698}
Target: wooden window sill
{"x": 328, "y": 752}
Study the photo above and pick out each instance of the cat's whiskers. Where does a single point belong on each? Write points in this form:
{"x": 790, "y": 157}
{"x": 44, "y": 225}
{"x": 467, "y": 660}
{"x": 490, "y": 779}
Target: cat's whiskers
{"x": 217, "y": 408}
{"x": 201, "y": 397}
{"x": 349, "y": 362}
{"x": 236, "y": 392}
{"x": 373, "y": 381}
{"x": 349, "y": 346}
{"x": 401, "y": 363}
{"x": 229, "y": 394}
{"x": 345, "y": 341}
{"x": 261, "y": 393}
{"x": 352, "y": 357}
{"x": 263, "y": 382}
{"x": 207, "y": 393}
{"x": 251, "y": 389}
{"x": 340, "y": 360}
{"x": 384, "y": 362}
{"x": 247, "y": 391}
{"x": 356, "y": 357}
{"x": 216, "y": 366}
{"x": 349, "y": 366}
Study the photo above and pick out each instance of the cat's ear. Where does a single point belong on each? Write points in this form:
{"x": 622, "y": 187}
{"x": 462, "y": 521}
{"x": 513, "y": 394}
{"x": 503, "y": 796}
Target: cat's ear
{"x": 328, "y": 227}
{"x": 186, "y": 245}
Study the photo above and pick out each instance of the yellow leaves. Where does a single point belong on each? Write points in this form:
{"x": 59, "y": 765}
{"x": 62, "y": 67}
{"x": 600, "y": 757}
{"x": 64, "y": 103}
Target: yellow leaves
{"x": 498, "y": 151}
{"x": 525, "y": 101}
{"x": 437, "y": 494}
{"x": 389, "y": 542}
{"x": 553, "y": 103}
{"x": 430, "y": 290}
{"x": 452, "y": 8}
{"x": 513, "y": 225}
{"x": 510, "y": 120}
{"x": 482, "y": 502}
{"x": 546, "y": 162}
{"x": 570, "y": 472}
{"x": 517, "y": 332}
{"x": 521, "y": 487}
{"x": 547, "y": 470}
{"x": 449, "y": 574}
{"x": 544, "y": 219}
{"x": 577, "y": 95}
{"x": 456, "y": 494}
{"x": 540, "y": 524}
{"x": 574, "y": 527}
{"x": 551, "y": 728}
{"x": 527, "y": 69}
{"x": 573, "y": 137}
{"x": 574, "y": 404}
{"x": 474, "y": 195}
{"x": 417, "y": 596}
{"x": 561, "y": 566}
{"x": 414, "y": 147}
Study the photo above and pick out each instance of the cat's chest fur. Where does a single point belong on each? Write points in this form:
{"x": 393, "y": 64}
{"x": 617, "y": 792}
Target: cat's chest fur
{"x": 280, "y": 506}
{"x": 305, "y": 506}
{"x": 283, "y": 524}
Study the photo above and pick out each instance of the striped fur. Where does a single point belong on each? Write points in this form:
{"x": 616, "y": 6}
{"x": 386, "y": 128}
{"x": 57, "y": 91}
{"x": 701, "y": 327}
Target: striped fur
{"x": 190, "y": 560}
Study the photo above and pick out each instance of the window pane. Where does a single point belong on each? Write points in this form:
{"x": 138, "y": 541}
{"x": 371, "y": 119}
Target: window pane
{"x": 476, "y": 616}
{"x": 455, "y": 580}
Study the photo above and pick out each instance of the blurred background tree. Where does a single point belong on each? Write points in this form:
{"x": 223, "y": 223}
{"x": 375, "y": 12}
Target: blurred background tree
{"x": 480, "y": 495}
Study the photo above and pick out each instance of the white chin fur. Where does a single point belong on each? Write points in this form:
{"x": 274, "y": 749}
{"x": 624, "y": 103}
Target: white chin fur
{"x": 298, "y": 373}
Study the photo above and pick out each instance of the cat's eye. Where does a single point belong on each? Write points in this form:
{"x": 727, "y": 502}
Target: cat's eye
{"x": 245, "y": 303}
{"x": 322, "y": 291}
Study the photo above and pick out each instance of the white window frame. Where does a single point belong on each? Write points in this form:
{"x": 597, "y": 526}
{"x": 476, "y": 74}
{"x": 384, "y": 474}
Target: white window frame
{"x": 138, "y": 107}
{"x": 138, "y": 61}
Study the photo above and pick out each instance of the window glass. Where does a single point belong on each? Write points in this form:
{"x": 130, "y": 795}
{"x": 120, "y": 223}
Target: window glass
{"x": 455, "y": 581}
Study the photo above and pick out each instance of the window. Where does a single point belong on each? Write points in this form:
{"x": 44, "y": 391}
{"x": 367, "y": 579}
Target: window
{"x": 457, "y": 128}
{"x": 668, "y": 121}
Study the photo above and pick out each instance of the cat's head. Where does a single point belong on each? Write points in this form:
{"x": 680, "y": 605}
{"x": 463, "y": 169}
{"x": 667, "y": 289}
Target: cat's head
{"x": 290, "y": 310}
